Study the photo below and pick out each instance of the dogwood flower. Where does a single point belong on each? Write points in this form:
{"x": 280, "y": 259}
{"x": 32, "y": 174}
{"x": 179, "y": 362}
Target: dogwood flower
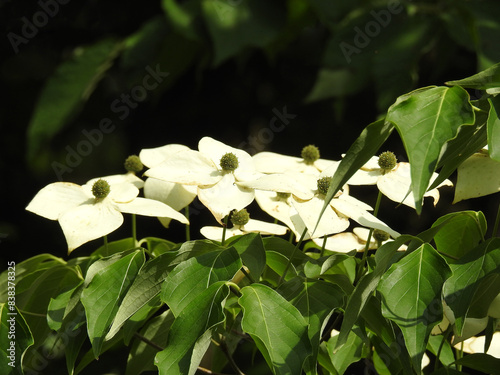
{"x": 95, "y": 209}
{"x": 216, "y": 169}
{"x": 175, "y": 195}
{"x": 393, "y": 179}
{"x": 242, "y": 224}
{"x": 310, "y": 162}
{"x": 335, "y": 218}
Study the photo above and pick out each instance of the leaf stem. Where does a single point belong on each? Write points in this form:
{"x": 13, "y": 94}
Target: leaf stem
{"x": 134, "y": 230}
{"x": 224, "y": 227}
{"x": 497, "y": 222}
{"x": 291, "y": 256}
{"x": 323, "y": 246}
{"x": 105, "y": 238}
{"x": 188, "y": 227}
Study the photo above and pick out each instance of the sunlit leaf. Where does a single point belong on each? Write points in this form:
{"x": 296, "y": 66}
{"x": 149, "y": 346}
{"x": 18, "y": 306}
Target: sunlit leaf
{"x": 468, "y": 273}
{"x": 104, "y": 293}
{"x": 426, "y": 119}
{"x": 192, "y": 327}
{"x": 487, "y": 79}
{"x": 15, "y": 339}
{"x": 494, "y": 128}
{"x": 277, "y": 327}
{"x": 411, "y": 291}
{"x": 193, "y": 276}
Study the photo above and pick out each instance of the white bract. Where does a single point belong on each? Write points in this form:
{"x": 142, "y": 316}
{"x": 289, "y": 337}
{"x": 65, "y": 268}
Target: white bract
{"x": 83, "y": 217}
{"x": 175, "y": 195}
{"x": 477, "y": 176}
{"x": 253, "y": 226}
{"x": 218, "y": 189}
{"x": 395, "y": 184}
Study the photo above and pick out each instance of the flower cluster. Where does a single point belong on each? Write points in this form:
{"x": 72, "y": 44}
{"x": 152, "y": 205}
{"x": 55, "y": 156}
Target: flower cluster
{"x": 227, "y": 180}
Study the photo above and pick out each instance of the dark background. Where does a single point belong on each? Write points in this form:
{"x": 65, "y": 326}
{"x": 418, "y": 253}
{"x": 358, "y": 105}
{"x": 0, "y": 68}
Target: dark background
{"x": 223, "y": 83}
{"x": 231, "y": 66}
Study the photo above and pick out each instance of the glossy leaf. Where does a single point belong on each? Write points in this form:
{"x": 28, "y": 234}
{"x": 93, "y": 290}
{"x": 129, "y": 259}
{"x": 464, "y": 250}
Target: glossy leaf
{"x": 67, "y": 90}
{"x": 145, "y": 287}
{"x": 15, "y": 339}
{"x": 462, "y": 232}
{"x": 277, "y": 327}
{"x": 252, "y": 252}
{"x": 363, "y": 148}
{"x": 468, "y": 273}
{"x": 349, "y": 353}
{"x": 494, "y": 128}
{"x": 104, "y": 293}
{"x": 192, "y": 327}
{"x": 411, "y": 291}
{"x": 316, "y": 301}
{"x": 485, "y": 80}
{"x": 193, "y": 276}
{"x": 142, "y": 355}
{"x": 426, "y": 119}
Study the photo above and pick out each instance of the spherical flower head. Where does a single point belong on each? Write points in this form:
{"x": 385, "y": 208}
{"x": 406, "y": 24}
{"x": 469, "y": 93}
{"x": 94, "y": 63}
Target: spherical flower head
{"x": 229, "y": 162}
{"x": 240, "y": 218}
{"x": 323, "y": 185}
{"x": 100, "y": 189}
{"x": 310, "y": 154}
{"x": 283, "y": 196}
{"x": 133, "y": 164}
{"x": 387, "y": 161}
{"x": 380, "y": 235}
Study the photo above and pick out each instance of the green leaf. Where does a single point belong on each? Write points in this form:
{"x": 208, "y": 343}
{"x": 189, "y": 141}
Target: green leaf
{"x": 481, "y": 362}
{"x": 468, "y": 273}
{"x": 426, "y": 119}
{"x": 469, "y": 139}
{"x": 349, "y": 353}
{"x": 462, "y": 232}
{"x": 247, "y": 24}
{"x": 62, "y": 304}
{"x": 183, "y": 17}
{"x": 485, "y": 80}
{"x": 136, "y": 321}
{"x": 447, "y": 356}
{"x": 277, "y": 327}
{"x": 411, "y": 291}
{"x": 278, "y": 263}
{"x": 252, "y": 252}
{"x": 145, "y": 287}
{"x": 15, "y": 339}
{"x": 193, "y": 276}
{"x": 114, "y": 247}
{"x": 142, "y": 355}
{"x": 192, "y": 330}
{"x": 104, "y": 293}
{"x": 494, "y": 128}
{"x": 363, "y": 148}
{"x": 316, "y": 300}
{"x": 67, "y": 90}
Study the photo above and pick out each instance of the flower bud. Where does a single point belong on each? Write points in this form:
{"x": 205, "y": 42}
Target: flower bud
{"x": 239, "y": 218}
{"x": 323, "y": 185}
{"x": 387, "y": 161}
{"x": 133, "y": 164}
{"x": 100, "y": 189}
{"x": 310, "y": 154}
{"x": 229, "y": 162}
{"x": 380, "y": 235}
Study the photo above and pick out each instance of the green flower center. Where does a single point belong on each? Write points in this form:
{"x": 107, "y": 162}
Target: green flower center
{"x": 310, "y": 154}
{"x": 100, "y": 189}
{"x": 283, "y": 196}
{"x": 133, "y": 164}
{"x": 380, "y": 235}
{"x": 387, "y": 161}
{"x": 324, "y": 185}
{"x": 239, "y": 218}
{"x": 229, "y": 162}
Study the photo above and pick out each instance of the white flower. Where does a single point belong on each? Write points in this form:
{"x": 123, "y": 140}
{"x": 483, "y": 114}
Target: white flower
{"x": 243, "y": 224}
{"x": 175, "y": 195}
{"x": 349, "y": 241}
{"x": 395, "y": 184}
{"x": 477, "y": 176}
{"x": 83, "y": 217}
{"x": 271, "y": 162}
{"x": 339, "y": 210}
{"x": 218, "y": 187}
